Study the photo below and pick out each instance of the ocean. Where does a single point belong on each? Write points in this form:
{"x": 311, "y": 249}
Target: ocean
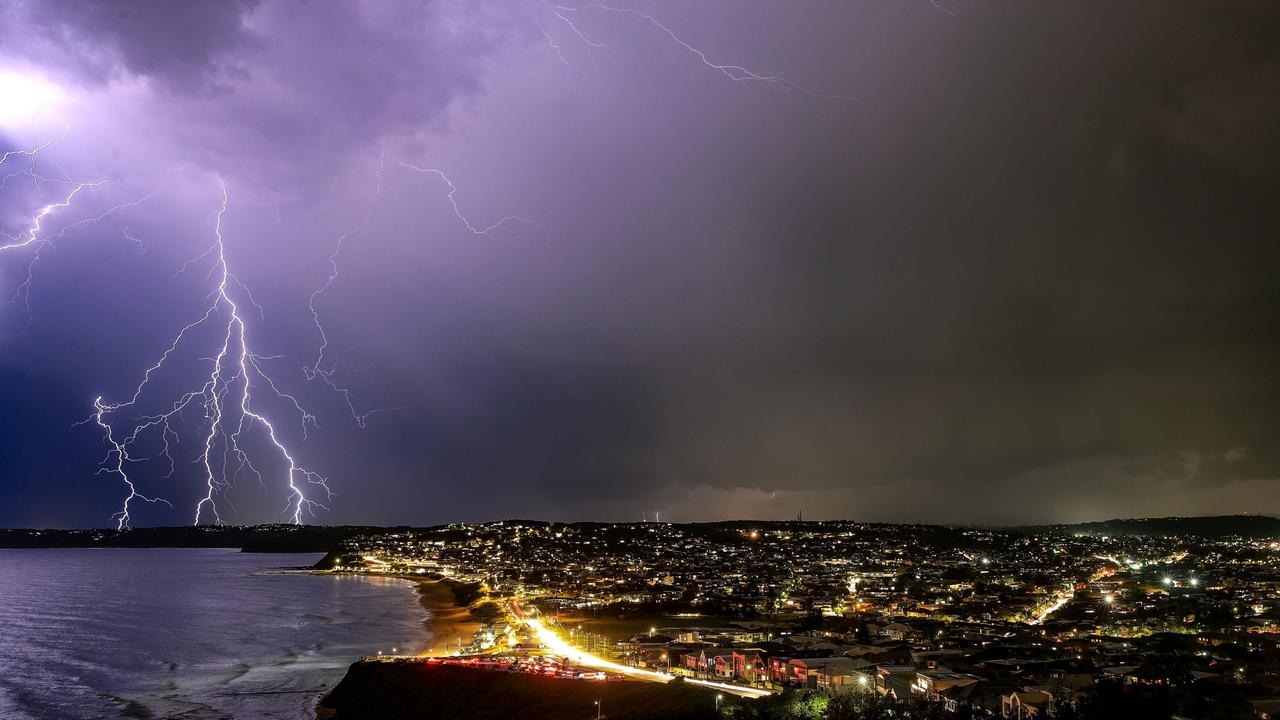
{"x": 191, "y": 633}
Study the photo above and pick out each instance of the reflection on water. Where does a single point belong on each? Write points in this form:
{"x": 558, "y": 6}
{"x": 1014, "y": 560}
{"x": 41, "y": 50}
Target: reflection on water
{"x": 196, "y": 633}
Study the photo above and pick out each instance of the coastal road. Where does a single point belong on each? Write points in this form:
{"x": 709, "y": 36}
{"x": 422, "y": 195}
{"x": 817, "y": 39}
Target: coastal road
{"x": 557, "y": 645}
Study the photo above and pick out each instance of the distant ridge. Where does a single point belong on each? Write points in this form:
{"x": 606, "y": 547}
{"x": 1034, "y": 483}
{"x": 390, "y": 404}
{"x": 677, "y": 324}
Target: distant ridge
{"x": 1253, "y": 526}
{"x": 323, "y": 538}
{"x": 249, "y": 538}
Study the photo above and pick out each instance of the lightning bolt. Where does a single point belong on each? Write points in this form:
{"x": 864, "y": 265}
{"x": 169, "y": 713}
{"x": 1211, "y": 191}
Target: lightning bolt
{"x": 31, "y": 236}
{"x": 551, "y": 43}
{"x": 936, "y": 4}
{"x": 738, "y": 73}
{"x": 120, "y": 452}
{"x": 35, "y": 237}
{"x": 31, "y": 155}
{"x": 224, "y": 398}
{"x": 457, "y": 211}
{"x": 320, "y": 370}
{"x": 324, "y": 370}
{"x": 559, "y": 12}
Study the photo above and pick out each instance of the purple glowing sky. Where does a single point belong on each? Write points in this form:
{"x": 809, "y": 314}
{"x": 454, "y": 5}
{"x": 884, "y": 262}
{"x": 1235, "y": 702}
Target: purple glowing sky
{"x": 956, "y": 262}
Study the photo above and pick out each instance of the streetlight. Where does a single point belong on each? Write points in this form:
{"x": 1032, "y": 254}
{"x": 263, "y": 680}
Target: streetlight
{"x": 719, "y": 697}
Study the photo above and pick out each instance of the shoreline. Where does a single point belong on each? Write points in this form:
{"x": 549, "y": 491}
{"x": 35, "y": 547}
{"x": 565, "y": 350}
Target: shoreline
{"x": 448, "y": 619}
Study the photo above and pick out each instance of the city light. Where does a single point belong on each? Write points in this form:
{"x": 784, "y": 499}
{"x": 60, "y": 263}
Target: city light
{"x": 1092, "y": 590}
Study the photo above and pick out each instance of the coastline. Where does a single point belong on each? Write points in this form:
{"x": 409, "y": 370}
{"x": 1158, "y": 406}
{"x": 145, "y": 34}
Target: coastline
{"x": 447, "y": 621}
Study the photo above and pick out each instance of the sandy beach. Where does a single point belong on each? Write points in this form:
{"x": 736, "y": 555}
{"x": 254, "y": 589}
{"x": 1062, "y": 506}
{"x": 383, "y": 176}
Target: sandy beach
{"x": 449, "y": 621}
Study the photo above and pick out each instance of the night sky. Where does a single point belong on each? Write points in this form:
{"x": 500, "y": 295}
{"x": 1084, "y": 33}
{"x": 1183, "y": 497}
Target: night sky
{"x": 961, "y": 262}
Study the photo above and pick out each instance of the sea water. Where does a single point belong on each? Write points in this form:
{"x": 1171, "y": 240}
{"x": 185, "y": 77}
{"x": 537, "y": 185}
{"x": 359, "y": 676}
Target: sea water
{"x": 190, "y": 633}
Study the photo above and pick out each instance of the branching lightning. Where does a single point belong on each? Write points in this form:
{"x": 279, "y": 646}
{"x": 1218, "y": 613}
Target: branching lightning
{"x": 116, "y": 462}
{"x": 224, "y": 399}
{"x": 559, "y": 12}
{"x": 223, "y": 402}
{"x": 738, "y": 73}
{"x": 325, "y": 370}
{"x": 322, "y": 369}
{"x": 551, "y": 43}
{"x": 35, "y": 238}
{"x": 457, "y": 211}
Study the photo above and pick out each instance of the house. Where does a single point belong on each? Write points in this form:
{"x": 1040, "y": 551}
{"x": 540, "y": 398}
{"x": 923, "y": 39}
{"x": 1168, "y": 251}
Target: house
{"x": 1022, "y": 704}
{"x": 895, "y": 681}
{"x": 814, "y": 672}
{"x": 844, "y": 674}
{"x": 931, "y": 683}
{"x": 717, "y": 662}
{"x": 750, "y": 665}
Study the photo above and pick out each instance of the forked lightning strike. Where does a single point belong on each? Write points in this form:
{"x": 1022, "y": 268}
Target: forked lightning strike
{"x": 225, "y": 398}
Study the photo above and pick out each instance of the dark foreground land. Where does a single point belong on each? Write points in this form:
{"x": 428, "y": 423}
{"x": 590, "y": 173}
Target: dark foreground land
{"x": 392, "y": 690}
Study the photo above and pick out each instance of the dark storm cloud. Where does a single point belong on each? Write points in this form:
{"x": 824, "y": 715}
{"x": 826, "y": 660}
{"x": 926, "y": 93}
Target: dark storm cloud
{"x": 186, "y": 47}
{"x": 277, "y": 93}
{"x": 1031, "y": 256}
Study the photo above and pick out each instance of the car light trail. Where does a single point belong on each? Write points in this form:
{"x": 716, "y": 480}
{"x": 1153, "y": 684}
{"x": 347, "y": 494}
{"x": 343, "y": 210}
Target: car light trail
{"x": 558, "y": 646}
{"x": 1055, "y": 607}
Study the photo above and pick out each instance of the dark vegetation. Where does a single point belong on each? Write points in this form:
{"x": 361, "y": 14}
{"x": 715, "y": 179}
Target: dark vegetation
{"x": 487, "y": 612}
{"x": 473, "y": 595}
{"x": 1112, "y": 701}
{"x": 467, "y": 593}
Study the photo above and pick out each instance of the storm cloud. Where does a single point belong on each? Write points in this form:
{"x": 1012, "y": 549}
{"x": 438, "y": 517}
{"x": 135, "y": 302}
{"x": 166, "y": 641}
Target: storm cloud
{"x": 993, "y": 262}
